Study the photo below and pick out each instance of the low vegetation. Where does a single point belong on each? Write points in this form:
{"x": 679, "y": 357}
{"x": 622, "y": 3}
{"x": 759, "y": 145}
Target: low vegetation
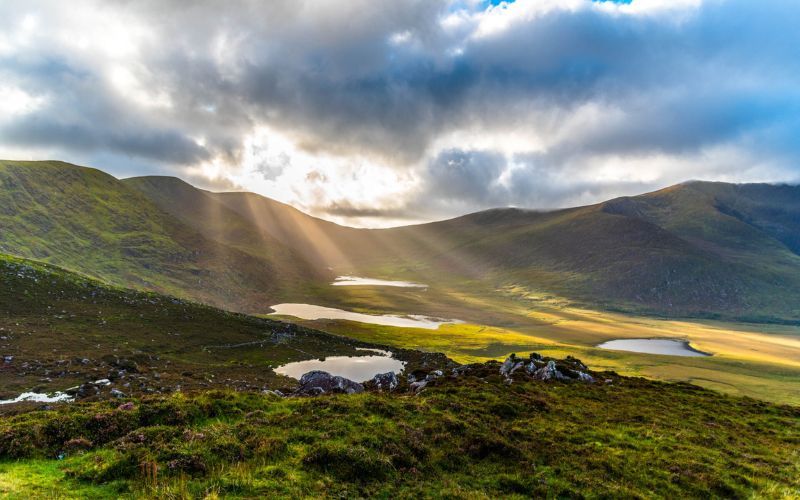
{"x": 470, "y": 436}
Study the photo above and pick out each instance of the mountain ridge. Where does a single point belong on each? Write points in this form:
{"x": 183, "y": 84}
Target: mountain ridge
{"x": 694, "y": 249}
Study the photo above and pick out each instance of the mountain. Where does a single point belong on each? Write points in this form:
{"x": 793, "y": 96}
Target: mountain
{"x": 88, "y": 221}
{"x": 694, "y": 249}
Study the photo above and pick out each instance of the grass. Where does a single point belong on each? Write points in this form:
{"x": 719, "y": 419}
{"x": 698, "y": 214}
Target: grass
{"x": 472, "y": 436}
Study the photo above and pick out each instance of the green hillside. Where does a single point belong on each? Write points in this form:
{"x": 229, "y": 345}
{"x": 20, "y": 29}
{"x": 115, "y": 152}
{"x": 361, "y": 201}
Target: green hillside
{"x": 205, "y": 213}
{"x": 697, "y": 249}
{"x": 62, "y": 329}
{"x": 88, "y": 221}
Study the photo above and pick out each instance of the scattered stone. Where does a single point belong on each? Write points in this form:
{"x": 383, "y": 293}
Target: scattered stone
{"x": 8, "y": 359}
{"x": 117, "y": 393}
{"x": 434, "y": 375}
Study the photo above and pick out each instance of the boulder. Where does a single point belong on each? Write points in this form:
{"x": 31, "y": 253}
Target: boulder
{"x": 319, "y": 382}
{"x": 385, "y": 381}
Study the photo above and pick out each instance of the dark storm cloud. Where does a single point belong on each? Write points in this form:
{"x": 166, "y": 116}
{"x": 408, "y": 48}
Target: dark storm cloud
{"x": 390, "y": 79}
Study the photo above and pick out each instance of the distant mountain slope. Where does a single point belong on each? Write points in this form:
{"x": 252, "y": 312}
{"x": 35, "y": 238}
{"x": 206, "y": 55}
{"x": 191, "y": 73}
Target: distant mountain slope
{"x": 698, "y": 248}
{"x": 206, "y": 214}
{"x": 693, "y": 249}
{"x": 88, "y": 221}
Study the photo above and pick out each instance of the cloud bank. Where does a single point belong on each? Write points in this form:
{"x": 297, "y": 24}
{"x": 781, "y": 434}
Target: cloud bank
{"x": 379, "y": 112}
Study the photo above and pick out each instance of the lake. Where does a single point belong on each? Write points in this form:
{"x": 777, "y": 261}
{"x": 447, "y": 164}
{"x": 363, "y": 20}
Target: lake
{"x": 359, "y": 281}
{"x": 356, "y": 368}
{"x": 38, "y": 398}
{"x": 312, "y": 312}
{"x": 667, "y": 347}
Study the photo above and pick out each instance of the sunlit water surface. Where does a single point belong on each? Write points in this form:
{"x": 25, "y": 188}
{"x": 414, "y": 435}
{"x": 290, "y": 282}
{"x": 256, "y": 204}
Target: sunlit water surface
{"x": 357, "y": 368}
{"x": 312, "y": 312}
{"x": 359, "y": 281}
{"x": 38, "y": 398}
{"x": 668, "y": 347}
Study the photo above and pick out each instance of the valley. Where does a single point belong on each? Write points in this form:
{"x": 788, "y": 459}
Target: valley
{"x": 708, "y": 263}
{"x": 756, "y": 360}
{"x": 162, "y": 341}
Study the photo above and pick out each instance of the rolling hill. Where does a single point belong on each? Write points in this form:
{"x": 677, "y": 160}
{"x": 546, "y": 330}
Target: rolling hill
{"x": 88, "y": 221}
{"x": 694, "y": 249}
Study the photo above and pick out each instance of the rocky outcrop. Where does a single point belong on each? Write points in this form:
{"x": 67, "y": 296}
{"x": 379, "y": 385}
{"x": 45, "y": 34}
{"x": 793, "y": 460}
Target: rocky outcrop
{"x": 539, "y": 368}
{"x": 319, "y": 382}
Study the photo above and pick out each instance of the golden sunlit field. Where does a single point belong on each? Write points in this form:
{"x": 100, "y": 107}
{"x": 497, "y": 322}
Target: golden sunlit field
{"x": 756, "y": 360}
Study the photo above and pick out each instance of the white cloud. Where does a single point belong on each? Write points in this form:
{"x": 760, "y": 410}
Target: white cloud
{"x": 350, "y": 109}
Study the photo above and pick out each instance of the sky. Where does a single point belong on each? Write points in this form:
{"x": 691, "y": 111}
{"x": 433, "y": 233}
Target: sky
{"x": 380, "y": 113}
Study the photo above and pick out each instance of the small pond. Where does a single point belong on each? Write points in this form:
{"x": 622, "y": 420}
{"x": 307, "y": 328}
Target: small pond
{"x": 668, "y": 347}
{"x": 358, "y": 281}
{"x": 312, "y": 312}
{"x": 38, "y": 398}
{"x": 356, "y": 368}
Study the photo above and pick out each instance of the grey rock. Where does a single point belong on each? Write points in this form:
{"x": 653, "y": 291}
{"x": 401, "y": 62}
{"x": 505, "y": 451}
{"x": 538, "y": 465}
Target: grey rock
{"x": 508, "y": 364}
{"x": 315, "y": 381}
{"x": 385, "y": 381}
{"x": 418, "y": 386}
{"x": 548, "y": 372}
{"x": 117, "y": 393}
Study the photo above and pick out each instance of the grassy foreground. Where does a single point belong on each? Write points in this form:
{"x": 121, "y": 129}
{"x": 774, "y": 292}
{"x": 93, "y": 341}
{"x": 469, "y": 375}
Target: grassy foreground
{"x": 473, "y": 436}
